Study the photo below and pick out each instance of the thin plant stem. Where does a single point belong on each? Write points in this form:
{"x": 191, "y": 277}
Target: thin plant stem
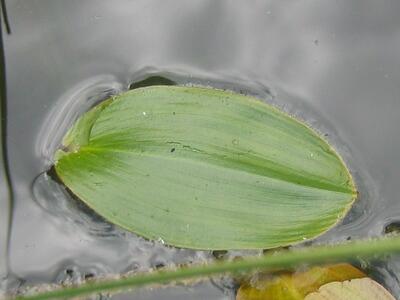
{"x": 277, "y": 261}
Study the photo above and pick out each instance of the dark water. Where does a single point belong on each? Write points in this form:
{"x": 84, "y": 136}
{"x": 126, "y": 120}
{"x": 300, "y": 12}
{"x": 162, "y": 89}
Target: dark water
{"x": 334, "y": 64}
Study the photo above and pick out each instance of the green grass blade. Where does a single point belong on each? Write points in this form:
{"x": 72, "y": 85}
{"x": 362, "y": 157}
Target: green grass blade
{"x": 205, "y": 169}
{"x": 277, "y": 261}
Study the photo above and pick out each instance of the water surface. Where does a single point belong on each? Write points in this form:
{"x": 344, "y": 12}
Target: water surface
{"x": 334, "y": 64}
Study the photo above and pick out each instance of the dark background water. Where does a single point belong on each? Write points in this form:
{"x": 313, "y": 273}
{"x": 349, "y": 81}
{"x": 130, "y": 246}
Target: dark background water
{"x": 335, "y": 64}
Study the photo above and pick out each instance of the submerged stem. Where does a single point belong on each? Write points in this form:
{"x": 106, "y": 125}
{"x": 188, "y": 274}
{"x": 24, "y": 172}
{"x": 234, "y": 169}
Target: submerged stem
{"x": 277, "y": 261}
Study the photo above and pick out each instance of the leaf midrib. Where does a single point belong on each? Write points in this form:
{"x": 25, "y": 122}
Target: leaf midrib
{"x": 327, "y": 187}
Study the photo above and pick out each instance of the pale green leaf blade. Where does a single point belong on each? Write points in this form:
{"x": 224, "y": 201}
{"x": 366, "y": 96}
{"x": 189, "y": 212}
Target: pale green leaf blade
{"x": 205, "y": 168}
{"x": 295, "y": 286}
{"x": 356, "y": 289}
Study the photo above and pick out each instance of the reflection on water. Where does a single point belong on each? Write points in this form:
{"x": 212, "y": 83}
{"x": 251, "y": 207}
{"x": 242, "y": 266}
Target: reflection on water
{"x": 72, "y": 104}
{"x": 335, "y": 65}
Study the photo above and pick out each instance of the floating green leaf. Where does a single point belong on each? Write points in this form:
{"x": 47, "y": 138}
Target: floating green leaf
{"x": 204, "y": 168}
{"x": 356, "y": 289}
